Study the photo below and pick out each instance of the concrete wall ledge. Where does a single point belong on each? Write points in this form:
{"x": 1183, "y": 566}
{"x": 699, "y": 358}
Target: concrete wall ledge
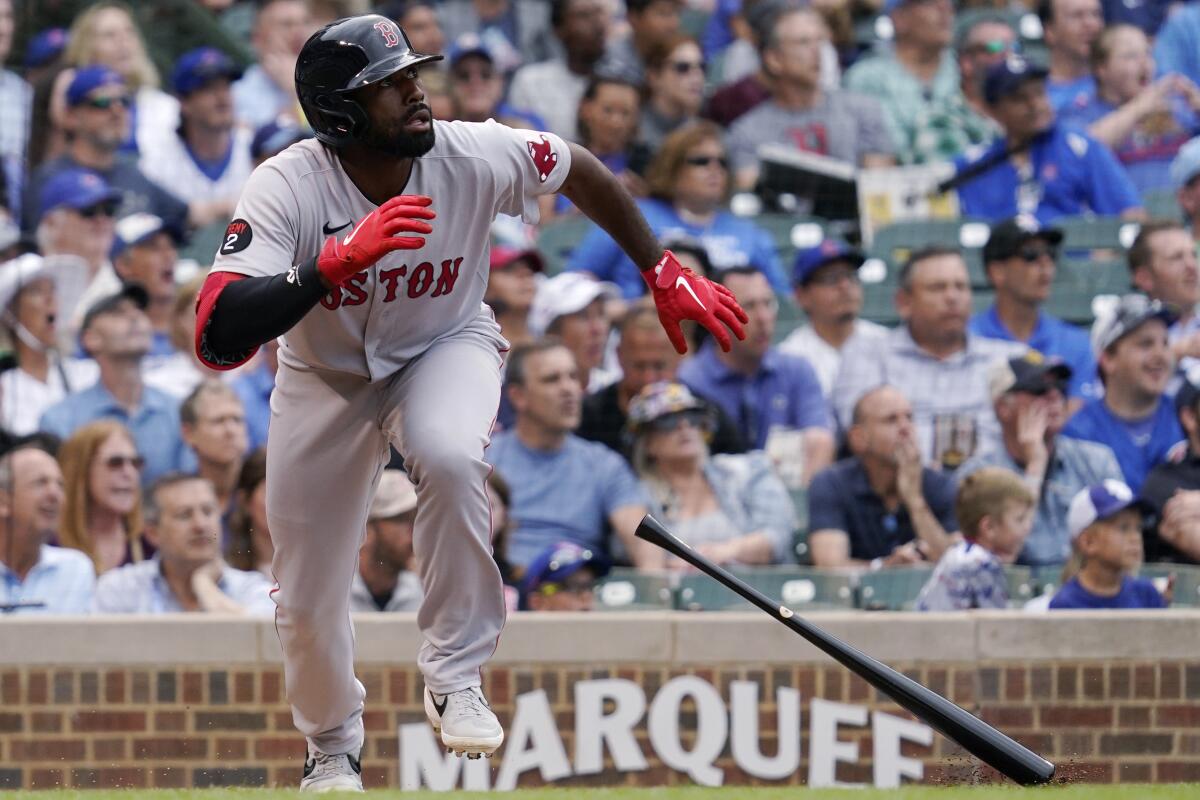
{"x": 613, "y": 638}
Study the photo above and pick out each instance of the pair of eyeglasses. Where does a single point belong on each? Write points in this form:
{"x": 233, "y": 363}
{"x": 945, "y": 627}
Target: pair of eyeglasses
{"x": 684, "y": 67}
{"x": 704, "y": 161}
{"x": 992, "y": 47}
{"x": 1032, "y": 254}
{"x": 106, "y": 209}
{"x": 115, "y": 463}
{"x": 105, "y": 103}
{"x": 669, "y": 423}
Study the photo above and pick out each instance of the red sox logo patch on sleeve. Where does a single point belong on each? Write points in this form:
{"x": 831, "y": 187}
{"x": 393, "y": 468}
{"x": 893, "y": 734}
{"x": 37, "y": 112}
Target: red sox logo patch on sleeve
{"x": 544, "y": 157}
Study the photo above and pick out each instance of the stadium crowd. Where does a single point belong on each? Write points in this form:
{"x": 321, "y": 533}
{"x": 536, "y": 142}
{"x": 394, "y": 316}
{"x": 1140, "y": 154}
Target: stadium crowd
{"x": 972, "y": 431}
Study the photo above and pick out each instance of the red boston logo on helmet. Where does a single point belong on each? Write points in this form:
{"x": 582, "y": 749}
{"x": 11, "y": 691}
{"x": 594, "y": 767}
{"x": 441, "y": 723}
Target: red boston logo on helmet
{"x": 388, "y": 31}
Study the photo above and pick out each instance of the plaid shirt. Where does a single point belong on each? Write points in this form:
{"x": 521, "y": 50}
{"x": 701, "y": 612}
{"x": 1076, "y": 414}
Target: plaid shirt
{"x": 945, "y": 129}
{"x": 951, "y": 407}
{"x": 15, "y": 98}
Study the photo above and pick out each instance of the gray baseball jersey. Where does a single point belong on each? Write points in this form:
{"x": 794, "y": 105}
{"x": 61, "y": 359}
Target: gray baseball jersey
{"x": 390, "y": 313}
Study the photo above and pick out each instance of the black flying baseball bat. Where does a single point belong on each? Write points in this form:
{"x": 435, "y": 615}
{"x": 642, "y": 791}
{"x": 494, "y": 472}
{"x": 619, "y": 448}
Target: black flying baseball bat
{"x": 989, "y": 745}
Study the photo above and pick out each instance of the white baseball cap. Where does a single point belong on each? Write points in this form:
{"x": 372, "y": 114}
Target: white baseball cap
{"x": 395, "y": 495}
{"x": 1101, "y": 501}
{"x": 566, "y": 293}
{"x": 18, "y": 273}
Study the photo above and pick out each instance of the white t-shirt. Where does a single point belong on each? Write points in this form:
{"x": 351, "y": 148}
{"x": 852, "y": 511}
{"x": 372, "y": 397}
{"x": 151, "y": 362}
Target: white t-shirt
{"x": 388, "y": 314}
{"x": 23, "y": 397}
{"x": 823, "y": 356}
{"x": 167, "y": 161}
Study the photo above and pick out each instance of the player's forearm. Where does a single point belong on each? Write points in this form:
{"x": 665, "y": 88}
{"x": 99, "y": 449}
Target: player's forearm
{"x": 253, "y": 311}
{"x": 597, "y": 193}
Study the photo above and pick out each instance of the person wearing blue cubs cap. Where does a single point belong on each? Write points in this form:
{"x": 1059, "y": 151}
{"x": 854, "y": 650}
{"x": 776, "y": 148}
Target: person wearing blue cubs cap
{"x": 1105, "y": 523}
{"x": 275, "y": 137}
{"x": 97, "y": 120}
{"x": 562, "y": 578}
{"x": 45, "y": 48}
{"x": 206, "y": 160}
{"x": 1173, "y": 488}
{"x": 1038, "y": 166}
{"x": 825, "y": 284}
{"x": 1184, "y": 171}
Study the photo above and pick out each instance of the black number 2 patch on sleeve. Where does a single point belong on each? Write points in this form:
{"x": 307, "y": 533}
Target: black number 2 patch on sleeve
{"x": 237, "y": 237}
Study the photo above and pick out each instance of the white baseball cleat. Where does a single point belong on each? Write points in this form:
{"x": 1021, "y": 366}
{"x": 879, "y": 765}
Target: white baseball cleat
{"x": 331, "y": 773}
{"x": 465, "y": 722}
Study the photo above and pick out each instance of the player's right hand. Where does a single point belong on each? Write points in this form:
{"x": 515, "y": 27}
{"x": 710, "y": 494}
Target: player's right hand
{"x": 375, "y": 236}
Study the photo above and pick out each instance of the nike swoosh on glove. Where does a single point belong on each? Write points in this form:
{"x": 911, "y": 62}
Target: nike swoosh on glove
{"x": 681, "y": 294}
{"x": 375, "y": 236}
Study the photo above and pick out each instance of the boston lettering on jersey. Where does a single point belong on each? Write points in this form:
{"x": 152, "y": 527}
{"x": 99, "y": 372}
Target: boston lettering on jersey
{"x": 417, "y": 283}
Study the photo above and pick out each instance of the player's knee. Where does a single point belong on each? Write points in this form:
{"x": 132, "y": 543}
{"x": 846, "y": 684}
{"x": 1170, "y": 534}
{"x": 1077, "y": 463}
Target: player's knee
{"x": 444, "y": 459}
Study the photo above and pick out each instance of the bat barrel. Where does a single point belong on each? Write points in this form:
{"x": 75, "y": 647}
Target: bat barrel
{"x": 1009, "y": 757}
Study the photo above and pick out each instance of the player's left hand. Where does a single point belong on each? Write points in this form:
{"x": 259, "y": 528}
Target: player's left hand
{"x": 681, "y": 294}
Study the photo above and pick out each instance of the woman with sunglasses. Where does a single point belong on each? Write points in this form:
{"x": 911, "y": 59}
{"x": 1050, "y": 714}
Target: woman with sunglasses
{"x": 689, "y": 183}
{"x": 731, "y": 508}
{"x": 674, "y": 89}
{"x": 102, "y": 515}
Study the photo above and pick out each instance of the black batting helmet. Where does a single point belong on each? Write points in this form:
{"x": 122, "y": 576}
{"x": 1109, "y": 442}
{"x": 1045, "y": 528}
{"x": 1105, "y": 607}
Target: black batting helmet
{"x": 343, "y": 56}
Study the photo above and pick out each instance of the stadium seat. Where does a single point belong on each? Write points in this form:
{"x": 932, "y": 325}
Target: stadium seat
{"x": 896, "y": 242}
{"x": 795, "y": 587}
{"x": 1020, "y": 585}
{"x": 558, "y": 238}
{"x": 1046, "y": 578}
{"x": 1163, "y": 204}
{"x": 891, "y": 589}
{"x": 1096, "y": 233}
{"x": 790, "y": 233}
{"x": 202, "y": 245}
{"x": 630, "y": 590}
{"x": 1187, "y": 581}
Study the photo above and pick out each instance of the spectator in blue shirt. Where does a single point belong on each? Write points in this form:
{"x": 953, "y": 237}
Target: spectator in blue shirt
{"x": 116, "y": 332}
{"x": 1039, "y": 167}
{"x": 689, "y": 181}
{"x": 1105, "y": 523}
{"x": 1144, "y": 121}
{"x": 1146, "y": 15}
{"x": 1070, "y": 27}
{"x": 1185, "y": 179}
{"x": 1177, "y": 46}
{"x": 880, "y": 507}
{"x": 1134, "y": 418}
{"x": 34, "y": 576}
{"x": 563, "y": 487}
{"x": 758, "y": 386}
{"x": 187, "y": 573}
{"x": 1020, "y": 259}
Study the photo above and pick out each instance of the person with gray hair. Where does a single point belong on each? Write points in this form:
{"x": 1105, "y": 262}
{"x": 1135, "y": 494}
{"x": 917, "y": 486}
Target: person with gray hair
{"x": 35, "y": 576}
{"x": 932, "y": 358}
{"x": 187, "y": 572}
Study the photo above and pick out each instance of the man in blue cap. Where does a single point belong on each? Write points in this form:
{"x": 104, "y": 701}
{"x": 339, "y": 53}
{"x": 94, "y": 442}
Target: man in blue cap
{"x": 562, "y": 578}
{"x": 144, "y": 253}
{"x": 206, "y": 160}
{"x": 1039, "y": 167}
{"x": 826, "y": 285}
{"x": 1020, "y": 260}
{"x": 1173, "y": 489}
{"x": 97, "y": 119}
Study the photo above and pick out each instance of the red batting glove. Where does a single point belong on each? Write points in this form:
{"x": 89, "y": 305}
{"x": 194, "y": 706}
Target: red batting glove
{"x": 375, "y": 236}
{"x": 681, "y": 294}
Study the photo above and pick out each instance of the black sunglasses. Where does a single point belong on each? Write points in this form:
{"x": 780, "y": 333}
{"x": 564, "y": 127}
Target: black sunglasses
{"x": 704, "y": 161}
{"x": 105, "y": 209}
{"x": 117, "y": 462}
{"x": 684, "y": 67}
{"x": 669, "y": 423}
{"x": 1032, "y": 254}
{"x": 1050, "y": 385}
{"x": 105, "y": 103}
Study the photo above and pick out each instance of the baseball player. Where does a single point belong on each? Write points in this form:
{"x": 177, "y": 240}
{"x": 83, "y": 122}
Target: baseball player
{"x": 366, "y": 249}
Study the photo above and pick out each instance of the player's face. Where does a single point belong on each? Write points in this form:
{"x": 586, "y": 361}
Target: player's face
{"x": 833, "y": 293}
{"x": 189, "y": 527}
{"x": 219, "y": 433}
{"x": 757, "y": 299}
{"x": 1028, "y": 276}
{"x": 1140, "y": 361}
{"x": 1174, "y": 277}
{"x": 646, "y": 356}
{"x": 36, "y": 308}
{"x": 37, "y": 493}
{"x": 585, "y": 334}
{"x": 552, "y": 394}
{"x": 151, "y": 264}
{"x": 401, "y": 121}
{"x": 114, "y": 476}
